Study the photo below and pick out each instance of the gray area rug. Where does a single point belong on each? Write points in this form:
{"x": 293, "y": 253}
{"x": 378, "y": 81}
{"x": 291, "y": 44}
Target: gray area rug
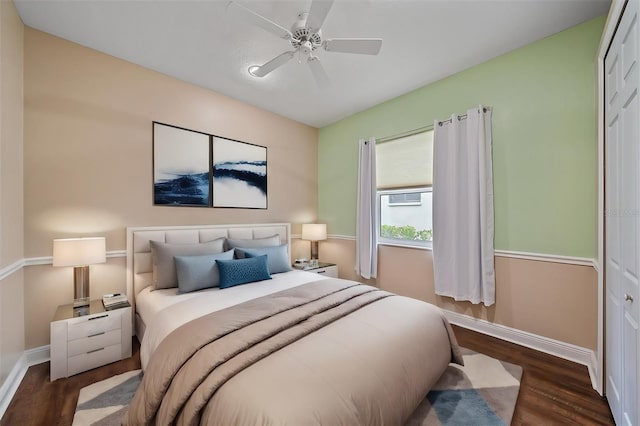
{"x": 483, "y": 392}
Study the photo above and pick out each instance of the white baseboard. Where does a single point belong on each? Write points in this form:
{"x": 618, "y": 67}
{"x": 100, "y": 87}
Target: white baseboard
{"x": 578, "y": 354}
{"x": 38, "y": 355}
{"x": 10, "y": 386}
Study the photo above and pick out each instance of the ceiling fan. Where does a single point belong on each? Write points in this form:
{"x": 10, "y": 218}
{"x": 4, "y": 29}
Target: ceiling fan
{"x": 305, "y": 37}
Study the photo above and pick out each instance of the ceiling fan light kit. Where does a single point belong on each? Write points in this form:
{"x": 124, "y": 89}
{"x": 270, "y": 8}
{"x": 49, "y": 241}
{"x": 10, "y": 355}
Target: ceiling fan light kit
{"x": 305, "y": 37}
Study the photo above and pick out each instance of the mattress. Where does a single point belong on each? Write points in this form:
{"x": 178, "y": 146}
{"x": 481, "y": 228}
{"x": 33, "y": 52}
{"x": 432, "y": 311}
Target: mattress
{"x": 162, "y": 311}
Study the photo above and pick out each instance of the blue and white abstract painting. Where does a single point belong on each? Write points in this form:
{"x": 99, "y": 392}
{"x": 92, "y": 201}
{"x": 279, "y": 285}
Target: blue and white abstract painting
{"x": 180, "y": 167}
{"x": 239, "y": 174}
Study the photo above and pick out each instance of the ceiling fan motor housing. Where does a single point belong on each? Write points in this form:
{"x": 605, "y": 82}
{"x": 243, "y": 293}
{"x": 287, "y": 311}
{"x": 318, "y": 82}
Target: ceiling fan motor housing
{"x": 302, "y": 35}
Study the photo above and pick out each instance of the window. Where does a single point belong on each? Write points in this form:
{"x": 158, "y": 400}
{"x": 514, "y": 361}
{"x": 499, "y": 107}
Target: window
{"x": 404, "y": 175}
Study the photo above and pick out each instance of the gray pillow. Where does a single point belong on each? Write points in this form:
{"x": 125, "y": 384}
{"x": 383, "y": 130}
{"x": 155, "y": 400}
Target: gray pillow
{"x": 199, "y": 272}
{"x": 277, "y": 257}
{"x": 271, "y": 241}
{"x": 164, "y": 266}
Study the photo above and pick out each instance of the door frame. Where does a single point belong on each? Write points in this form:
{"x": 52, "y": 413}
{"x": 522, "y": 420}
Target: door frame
{"x": 614, "y": 16}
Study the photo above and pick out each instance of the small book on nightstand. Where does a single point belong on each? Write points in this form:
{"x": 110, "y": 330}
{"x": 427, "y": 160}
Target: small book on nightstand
{"x": 112, "y": 301}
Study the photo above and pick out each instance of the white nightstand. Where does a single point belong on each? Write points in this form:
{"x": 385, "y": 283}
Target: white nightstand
{"x": 328, "y": 269}
{"x": 82, "y": 340}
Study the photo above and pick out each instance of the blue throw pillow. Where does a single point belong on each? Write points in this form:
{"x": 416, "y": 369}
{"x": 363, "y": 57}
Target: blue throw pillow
{"x": 199, "y": 272}
{"x": 277, "y": 257}
{"x": 242, "y": 271}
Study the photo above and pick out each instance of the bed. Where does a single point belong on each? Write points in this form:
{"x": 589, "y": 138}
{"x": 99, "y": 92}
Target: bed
{"x": 295, "y": 348}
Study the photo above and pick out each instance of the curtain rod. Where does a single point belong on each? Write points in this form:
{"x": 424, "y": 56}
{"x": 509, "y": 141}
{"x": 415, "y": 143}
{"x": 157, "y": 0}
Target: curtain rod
{"x": 460, "y": 117}
{"x": 421, "y": 129}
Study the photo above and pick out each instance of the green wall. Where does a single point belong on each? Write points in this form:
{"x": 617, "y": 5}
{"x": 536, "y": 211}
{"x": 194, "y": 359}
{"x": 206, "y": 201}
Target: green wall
{"x": 544, "y": 142}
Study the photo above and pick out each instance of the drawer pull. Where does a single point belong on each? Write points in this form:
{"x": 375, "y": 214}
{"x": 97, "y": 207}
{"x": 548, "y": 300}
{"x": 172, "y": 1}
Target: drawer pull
{"x": 321, "y": 272}
{"x": 95, "y": 318}
{"x": 95, "y": 350}
{"x": 97, "y": 334}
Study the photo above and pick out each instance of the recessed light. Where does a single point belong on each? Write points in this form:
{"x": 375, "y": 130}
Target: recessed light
{"x": 253, "y": 69}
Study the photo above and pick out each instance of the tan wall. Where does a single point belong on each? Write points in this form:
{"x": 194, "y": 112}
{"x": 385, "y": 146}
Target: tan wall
{"x": 11, "y": 134}
{"x": 88, "y": 160}
{"x": 11, "y": 187}
{"x": 554, "y": 300}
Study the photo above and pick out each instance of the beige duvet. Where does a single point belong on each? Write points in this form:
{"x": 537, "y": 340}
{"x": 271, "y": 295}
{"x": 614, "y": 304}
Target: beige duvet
{"x": 329, "y": 352}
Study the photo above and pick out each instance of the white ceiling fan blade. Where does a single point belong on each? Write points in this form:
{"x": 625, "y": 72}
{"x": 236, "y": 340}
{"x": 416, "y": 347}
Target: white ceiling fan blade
{"x": 364, "y": 46}
{"x": 276, "y": 62}
{"x": 317, "y": 13}
{"x": 318, "y": 72}
{"x": 242, "y": 13}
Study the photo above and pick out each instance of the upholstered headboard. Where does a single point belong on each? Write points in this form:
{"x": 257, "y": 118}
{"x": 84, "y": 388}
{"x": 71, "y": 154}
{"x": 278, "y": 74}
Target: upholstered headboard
{"x": 139, "y": 263}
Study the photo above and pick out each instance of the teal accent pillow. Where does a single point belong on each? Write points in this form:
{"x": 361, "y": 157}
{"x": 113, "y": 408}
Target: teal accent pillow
{"x": 277, "y": 257}
{"x": 242, "y": 271}
{"x": 199, "y": 272}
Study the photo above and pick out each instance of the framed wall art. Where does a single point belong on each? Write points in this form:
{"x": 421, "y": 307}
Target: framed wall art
{"x": 196, "y": 169}
{"x": 239, "y": 174}
{"x": 181, "y": 166}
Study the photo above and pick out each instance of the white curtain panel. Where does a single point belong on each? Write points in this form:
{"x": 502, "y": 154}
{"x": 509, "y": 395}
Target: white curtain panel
{"x": 366, "y": 235}
{"x": 463, "y": 223}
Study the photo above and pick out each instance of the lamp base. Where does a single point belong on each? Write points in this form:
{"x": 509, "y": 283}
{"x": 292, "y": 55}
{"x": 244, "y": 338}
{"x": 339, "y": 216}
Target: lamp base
{"x": 80, "y": 286}
{"x": 314, "y": 250}
{"x": 79, "y": 303}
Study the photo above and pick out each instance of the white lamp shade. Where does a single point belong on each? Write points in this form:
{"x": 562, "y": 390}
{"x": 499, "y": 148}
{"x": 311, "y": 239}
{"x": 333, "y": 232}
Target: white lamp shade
{"x": 79, "y": 251}
{"x": 314, "y": 231}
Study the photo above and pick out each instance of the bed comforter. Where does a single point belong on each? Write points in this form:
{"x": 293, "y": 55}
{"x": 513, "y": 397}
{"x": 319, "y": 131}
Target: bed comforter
{"x": 328, "y": 352}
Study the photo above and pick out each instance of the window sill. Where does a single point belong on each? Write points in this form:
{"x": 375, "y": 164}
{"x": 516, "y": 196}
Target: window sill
{"x": 408, "y": 246}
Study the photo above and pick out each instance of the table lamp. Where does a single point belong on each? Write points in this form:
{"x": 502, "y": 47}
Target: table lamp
{"x": 79, "y": 253}
{"x": 314, "y": 232}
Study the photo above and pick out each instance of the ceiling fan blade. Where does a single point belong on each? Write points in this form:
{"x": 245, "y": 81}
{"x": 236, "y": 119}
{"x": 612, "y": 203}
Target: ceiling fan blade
{"x": 317, "y": 13}
{"x": 364, "y": 46}
{"x": 242, "y": 13}
{"x": 318, "y": 72}
{"x": 276, "y": 62}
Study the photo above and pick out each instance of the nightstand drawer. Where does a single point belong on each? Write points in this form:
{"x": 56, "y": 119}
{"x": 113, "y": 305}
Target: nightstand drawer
{"x": 96, "y": 358}
{"x": 97, "y": 341}
{"x": 85, "y": 327}
{"x": 329, "y": 271}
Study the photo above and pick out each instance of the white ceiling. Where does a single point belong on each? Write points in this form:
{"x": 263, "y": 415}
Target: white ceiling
{"x": 196, "y": 41}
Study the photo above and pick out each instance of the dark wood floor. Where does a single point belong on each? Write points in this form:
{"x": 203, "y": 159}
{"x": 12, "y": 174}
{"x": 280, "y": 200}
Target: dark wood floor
{"x": 552, "y": 392}
{"x": 41, "y": 402}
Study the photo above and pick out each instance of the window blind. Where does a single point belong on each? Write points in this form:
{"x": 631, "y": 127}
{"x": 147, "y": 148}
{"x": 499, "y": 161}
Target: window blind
{"x": 405, "y": 162}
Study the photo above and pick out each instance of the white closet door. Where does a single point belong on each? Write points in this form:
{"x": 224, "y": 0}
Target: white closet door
{"x": 622, "y": 220}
